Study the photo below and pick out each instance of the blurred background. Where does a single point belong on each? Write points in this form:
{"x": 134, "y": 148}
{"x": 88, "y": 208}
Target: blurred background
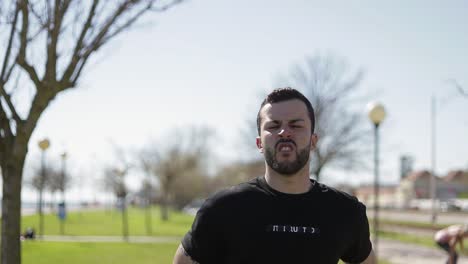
{"x": 209, "y": 64}
{"x": 164, "y": 113}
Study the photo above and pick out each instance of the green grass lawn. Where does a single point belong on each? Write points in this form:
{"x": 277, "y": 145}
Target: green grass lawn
{"x": 413, "y": 224}
{"x": 105, "y": 223}
{"x": 408, "y": 238}
{"x": 39, "y": 252}
{"x": 109, "y": 223}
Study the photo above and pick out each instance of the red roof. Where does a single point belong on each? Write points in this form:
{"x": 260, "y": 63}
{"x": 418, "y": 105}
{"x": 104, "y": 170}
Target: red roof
{"x": 419, "y": 174}
{"x": 456, "y": 175}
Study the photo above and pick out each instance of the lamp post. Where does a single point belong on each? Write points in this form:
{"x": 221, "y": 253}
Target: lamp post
{"x": 63, "y": 176}
{"x": 376, "y": 113}
{"x": 43, "y": 145}
{"x": 62, "y": 208}
{"x": 432, "y": 180}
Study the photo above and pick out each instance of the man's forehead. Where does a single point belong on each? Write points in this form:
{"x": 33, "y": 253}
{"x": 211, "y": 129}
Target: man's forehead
{"x": 289, "y": 110}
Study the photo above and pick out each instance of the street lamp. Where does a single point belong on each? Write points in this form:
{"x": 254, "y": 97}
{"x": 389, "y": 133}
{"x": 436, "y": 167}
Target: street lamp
{"x": 432, "y": 179}
{"x": 61, "y": 207}
{"x": 63, "y": 176}
{"x": 376, "y": 113}
{"x": 43, "y": 145}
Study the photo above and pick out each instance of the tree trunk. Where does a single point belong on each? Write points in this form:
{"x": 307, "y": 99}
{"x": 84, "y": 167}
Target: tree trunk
{"x": 11, "y": 211}
{"x": 164, "y": 209}
{"x": 149, "y": 229}
{"x": 124, "y": 220}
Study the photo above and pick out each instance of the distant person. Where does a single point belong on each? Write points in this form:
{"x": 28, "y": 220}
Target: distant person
{"x": 28, "y": 234}
{"x": 284, "y": 216}
{"x": 449, "y": 237}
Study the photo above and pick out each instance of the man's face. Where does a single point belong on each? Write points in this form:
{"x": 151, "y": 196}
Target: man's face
{"x": 285, "y": 136}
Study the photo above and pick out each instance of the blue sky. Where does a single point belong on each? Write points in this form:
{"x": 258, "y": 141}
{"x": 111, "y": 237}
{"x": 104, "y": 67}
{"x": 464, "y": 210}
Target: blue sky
{"x": 205, "y": 62}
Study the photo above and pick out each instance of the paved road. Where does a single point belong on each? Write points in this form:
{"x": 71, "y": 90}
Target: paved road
{"x": 403, "y": 253}
{"x": 420, "y": 216}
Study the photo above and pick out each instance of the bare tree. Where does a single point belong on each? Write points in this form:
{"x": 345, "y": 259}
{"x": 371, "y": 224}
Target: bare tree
{"x": 47, "y": 46}
{"x": 114, "y": 180}
{"x": 333, "y": 90}
{"x": 199, "y": 182}
{"x": 236, "y": 173}
{"x": 169, "y": 161}
{"x": 56, "y": 182}
{"x": 147, "y": 189}
{"x": 44, "y": 178}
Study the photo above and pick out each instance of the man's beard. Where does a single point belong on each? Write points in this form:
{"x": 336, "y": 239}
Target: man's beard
{"x": 287, "y": 167}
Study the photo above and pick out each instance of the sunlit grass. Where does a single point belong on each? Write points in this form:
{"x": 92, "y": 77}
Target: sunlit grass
{"x": 39, "y": 252}
{"x": 109, "y": 223}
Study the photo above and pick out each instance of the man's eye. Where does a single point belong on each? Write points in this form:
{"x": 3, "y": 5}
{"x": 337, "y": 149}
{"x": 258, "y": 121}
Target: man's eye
{"x": 273, "y": 127}
{"x": 296, "y": 126}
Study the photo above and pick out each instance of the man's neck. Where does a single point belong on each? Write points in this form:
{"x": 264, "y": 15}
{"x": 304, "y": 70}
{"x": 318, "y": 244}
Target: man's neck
{"x": 293, "y": 184}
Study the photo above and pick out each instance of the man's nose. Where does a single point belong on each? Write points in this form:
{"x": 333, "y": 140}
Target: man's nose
{"x": 284, "y": 132}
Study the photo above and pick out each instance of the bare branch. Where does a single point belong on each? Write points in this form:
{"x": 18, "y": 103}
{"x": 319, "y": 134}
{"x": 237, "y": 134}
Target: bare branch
{"x": 23, "y": 5}
{"x": 105, "y": 32}
{"x": 38, "y": 16}
{"x": 41, "y": 20}
{"x": 165, "y": 7}
{"x": 4, "y": 123}
{"x": 102, "y": 37}
{"x": 76, "y": 56}
{"x": 53, "y": 38}
{"x": 9, "y": 72}
{"x": 7, "y": 99}
{"x": 125, "y": 25}
{"x": 459, "y": 87}
{"x": 98, "y": 40}
{"x": 8, "y": 49}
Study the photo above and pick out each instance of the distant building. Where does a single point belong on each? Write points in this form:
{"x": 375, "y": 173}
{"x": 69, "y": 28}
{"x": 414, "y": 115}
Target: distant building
{"x": 365, "y": 194}
{"x": 459, "y": 177}
{"x": 416, "y": 186}
{"x": 455, "y": 184}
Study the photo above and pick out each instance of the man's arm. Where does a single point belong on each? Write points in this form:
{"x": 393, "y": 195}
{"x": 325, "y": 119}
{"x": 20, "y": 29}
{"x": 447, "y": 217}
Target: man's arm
{"x": 370, "y": 259}
{"x": 181, "y": 257}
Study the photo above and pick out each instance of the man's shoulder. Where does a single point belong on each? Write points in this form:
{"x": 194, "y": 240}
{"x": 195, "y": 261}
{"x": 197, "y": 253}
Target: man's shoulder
{"x": 334, "y": 195}
{"x": 235, "y": 193}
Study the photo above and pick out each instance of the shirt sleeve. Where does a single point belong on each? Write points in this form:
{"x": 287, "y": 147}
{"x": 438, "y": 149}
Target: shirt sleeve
{"x": 203, "y": 243}
{"x": 361, "y": 245}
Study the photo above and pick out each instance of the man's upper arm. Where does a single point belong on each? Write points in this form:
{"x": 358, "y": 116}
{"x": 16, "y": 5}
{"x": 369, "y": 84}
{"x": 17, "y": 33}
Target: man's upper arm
{"x": 359, "y": 246}
{"x": 370, "y": 259}
{"x": 181, "y": 257}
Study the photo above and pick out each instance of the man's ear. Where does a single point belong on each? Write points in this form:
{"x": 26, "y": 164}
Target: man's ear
{"x": 313, "y": 141}
{"x": 258, "y": 141}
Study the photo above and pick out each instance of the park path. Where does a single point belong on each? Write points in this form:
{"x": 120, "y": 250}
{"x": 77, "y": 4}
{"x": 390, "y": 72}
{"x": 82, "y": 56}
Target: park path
{"x": 397, "y": 252}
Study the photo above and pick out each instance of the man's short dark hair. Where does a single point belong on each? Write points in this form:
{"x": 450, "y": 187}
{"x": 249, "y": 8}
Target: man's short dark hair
{"x": 285, "y": 94}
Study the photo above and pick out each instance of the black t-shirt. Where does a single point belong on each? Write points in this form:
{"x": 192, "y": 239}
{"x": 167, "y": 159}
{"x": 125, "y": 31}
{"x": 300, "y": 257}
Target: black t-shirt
{"x": 253, "y": 223}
